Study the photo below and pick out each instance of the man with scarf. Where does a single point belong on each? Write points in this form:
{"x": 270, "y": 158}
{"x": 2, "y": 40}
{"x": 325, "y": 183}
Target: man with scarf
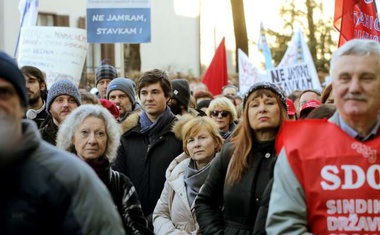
{"x": 148, "y": 144}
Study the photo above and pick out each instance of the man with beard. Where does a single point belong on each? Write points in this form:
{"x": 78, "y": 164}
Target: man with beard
{"x": 121, "y": 91}
{"x": 62, "y": 99}
{"x": 44, "y": 190}
{"x": 36, "y": 87}
{"x": 179, "y": 103}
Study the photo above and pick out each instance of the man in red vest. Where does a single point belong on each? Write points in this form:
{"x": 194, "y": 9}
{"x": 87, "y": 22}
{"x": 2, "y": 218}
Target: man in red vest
{"x": 327, "y": 176}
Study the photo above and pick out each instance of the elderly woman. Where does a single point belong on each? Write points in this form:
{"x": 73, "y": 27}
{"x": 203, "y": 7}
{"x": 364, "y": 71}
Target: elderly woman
{"x": 185, "y": 175}
{"x": 93, "y": 134}
{"x": 223, "y": 111}
{"x": 230, "y": 198}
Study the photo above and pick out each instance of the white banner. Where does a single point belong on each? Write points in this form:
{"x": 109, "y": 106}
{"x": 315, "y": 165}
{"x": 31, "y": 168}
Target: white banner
{"x": 297, "y": 53}
{"x": 248, "y": 73}
{"x": 294, "y": 77}
{"x": 60, "y": 52}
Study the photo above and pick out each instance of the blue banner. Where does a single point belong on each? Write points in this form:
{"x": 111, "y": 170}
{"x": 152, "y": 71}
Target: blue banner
{"x": 118, "y": 25}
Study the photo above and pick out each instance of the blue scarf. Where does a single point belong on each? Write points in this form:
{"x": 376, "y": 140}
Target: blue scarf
{"x": 147, "y": 126}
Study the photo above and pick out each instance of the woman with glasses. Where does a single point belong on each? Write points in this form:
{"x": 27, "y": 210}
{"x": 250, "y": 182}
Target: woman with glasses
{"x": 230, "y": 198}
{"x": 174, "y": 212}
{"x": 223, "y": 111}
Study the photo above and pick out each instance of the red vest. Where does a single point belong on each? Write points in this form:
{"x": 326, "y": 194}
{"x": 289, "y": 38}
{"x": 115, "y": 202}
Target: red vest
{"x": 340, "y": 176}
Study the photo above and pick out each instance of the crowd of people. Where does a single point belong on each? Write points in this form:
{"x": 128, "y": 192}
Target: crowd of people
{"x": 162, "y": 156}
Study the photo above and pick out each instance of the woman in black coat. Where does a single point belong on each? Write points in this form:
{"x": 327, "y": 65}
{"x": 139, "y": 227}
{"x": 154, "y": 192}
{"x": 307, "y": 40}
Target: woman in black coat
{"x": 93, "y": 134}
{"x": 229, "y": 200}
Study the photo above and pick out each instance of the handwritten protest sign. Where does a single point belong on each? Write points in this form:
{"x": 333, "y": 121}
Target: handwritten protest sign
{"x": 248, "y": 73}
{"x": 293, "y": 77}
{"x": 114, "y": 21}
{"x": 60, "y": 52}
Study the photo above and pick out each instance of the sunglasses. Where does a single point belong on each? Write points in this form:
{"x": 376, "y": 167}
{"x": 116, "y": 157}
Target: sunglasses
{"x": 216, "y": 113}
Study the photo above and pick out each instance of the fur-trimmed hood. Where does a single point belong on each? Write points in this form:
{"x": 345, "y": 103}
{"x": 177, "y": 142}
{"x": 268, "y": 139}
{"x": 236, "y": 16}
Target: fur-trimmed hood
{"x": 130, "y": 122}
{"x": 182, "y": 120}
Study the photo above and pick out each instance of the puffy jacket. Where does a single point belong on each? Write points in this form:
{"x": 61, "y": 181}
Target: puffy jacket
{"x": 50, "y": 191}
{"x": 173, "y": 213}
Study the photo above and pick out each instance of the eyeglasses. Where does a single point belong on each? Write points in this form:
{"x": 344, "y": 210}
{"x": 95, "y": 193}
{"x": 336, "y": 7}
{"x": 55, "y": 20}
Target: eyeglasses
{"x": 216, "y": 113}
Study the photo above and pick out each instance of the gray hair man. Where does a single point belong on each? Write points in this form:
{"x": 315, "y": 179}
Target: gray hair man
{"x": 326, "y": 179}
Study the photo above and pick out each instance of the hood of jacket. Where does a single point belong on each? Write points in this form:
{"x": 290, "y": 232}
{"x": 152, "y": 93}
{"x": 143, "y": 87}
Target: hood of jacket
{"x": 131, "y": 121}
{"x": 177, "y": 166}
{"x": 29, "y": 142}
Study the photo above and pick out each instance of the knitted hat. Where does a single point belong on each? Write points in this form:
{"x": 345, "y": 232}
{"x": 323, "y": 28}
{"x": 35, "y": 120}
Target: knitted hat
{"x": 266, "y": 85}
{"x": 10, "y": 72}
{"x": 62, "y": 87}
{"x": 181, "y": 91}
{"x": 105, "y": 71}
{"x": 125, "y": 85}
{"x": 111, "y": 107}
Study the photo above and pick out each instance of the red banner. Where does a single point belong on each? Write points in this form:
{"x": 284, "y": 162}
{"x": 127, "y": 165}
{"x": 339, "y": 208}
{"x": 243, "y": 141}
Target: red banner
{"x": 216, "y": 75}
{"x": 356, "y": 19}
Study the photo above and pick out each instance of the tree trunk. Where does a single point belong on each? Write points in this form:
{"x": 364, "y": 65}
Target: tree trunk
{"x": 132, "y": 58}
{"x": 240, "y": 28}
{"x": 310, "y": 5}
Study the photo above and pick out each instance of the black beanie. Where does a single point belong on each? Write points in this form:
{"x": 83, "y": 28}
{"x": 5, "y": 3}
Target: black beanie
{"x": 10, "y": 72}
{"x": 181, "y": 91}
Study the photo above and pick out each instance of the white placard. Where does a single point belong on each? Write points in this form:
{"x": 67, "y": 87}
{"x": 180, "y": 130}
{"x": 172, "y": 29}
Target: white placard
{"x": 60, "y": 52}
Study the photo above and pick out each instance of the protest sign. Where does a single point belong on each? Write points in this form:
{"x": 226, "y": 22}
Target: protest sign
{"x": 118, "y": 21}
{"x": 248, "y": 73}
{"x": 293, "y": 77}
{"x": 60, "y": 52}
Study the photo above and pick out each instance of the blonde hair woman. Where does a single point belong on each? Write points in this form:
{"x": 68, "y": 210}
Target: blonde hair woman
{"x": 223, "y": 111}
{"x": 185, "y": 175}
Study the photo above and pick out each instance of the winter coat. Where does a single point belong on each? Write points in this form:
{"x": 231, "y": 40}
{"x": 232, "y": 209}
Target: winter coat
{"x": 124, "y": 196}
{"x": 225, "y": 209}
{"x": 49, "y": 132}
{"x": 173, "y": 213}
{"x": 145, "y": 164}
{"x": 50, "y": 191}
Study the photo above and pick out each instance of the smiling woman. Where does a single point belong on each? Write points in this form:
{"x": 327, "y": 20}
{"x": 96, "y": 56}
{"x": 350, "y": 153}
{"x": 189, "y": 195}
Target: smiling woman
{"x": 92, "y": 133}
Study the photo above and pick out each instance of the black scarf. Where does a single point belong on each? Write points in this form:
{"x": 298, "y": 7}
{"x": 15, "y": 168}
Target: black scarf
{"x": 102, "y": 168}
{"x": 194, "y": 179}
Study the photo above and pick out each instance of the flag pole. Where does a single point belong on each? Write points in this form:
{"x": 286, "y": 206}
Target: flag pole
{"x": 376, "y": 10}
{"x": 19, "y": 29}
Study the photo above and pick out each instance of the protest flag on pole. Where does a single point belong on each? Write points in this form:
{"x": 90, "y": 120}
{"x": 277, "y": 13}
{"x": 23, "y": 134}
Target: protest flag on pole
{"x": 216, "y": 76}
{"x": 264, "y": 48}
{"x": 29, "y": 13}
{"x": 297, "y": 56}
{"x": 249, "y": 74}
{"x": 356, "y": 19}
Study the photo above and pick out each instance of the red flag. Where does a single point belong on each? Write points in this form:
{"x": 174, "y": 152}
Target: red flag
{"x": 216, "y": 75}
{"x": 356, "y": 19}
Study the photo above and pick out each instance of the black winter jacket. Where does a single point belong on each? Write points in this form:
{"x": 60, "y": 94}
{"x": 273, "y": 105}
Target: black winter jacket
{"x": 226, "y": 209}
{"x": 49, "y": 132}
{"x": 145, "y": 164}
